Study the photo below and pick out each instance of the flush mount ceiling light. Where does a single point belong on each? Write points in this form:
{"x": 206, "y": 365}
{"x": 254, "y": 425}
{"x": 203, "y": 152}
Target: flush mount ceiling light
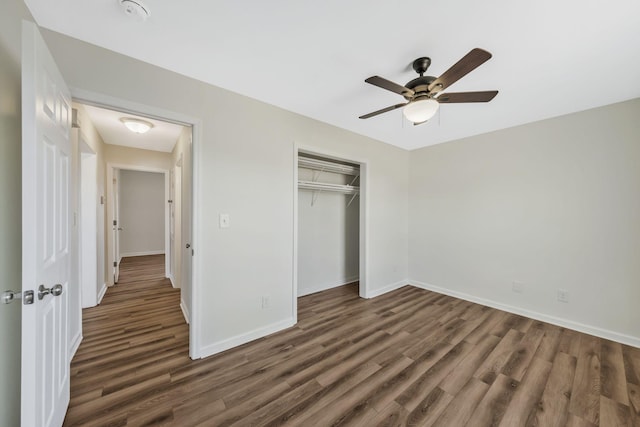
{"x": 421, "y": 110}
{"x": 136, "y": 9}
{"x": 136, "y": 125}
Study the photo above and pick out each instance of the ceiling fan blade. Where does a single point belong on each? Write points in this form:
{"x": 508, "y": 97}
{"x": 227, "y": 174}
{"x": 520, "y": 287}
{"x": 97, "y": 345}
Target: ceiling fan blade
{"x": 389, "y": 85}
{"x": 468, "y": 63}
{"x": 384, "y": 110}
{"x": 458, "y": 97}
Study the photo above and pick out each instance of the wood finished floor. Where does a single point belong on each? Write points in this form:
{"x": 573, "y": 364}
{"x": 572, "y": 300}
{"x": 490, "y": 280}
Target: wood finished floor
{"x": 410, "y": 357}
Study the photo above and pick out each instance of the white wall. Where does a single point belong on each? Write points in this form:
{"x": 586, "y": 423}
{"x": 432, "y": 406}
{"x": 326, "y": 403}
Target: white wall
{"x": 13, "y": 11}
{"x": 142, "y": 213}
{"x": 181, "y": 158}
{"x": 89, "y": 202}
{"x": 553, "y": 204}
{"x": 92, "y": 138}
{"x": 328, "y": 236}
{"x": 244, "y": 167}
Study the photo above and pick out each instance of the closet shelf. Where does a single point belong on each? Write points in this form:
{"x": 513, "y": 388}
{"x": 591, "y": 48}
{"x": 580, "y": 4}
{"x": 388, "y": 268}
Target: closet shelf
{"x": 323, "y": 186}
{"x": 325, "y": 166}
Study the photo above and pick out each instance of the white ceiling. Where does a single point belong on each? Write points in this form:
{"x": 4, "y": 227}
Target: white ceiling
{"x": 162, "y": 137}
{"x": 311, "y": 57}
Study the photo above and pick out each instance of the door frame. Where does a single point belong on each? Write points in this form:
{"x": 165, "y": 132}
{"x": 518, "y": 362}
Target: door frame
{"x": 363, "y": 273}
{"x": 88, "y": 226}
{"x": 107, "y": 101}
{"x": 111, "y": 168}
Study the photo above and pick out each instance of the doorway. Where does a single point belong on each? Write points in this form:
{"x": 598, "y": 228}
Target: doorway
{"x": 118, "y": 162}
{"x": 335, "y": 233}
{"x": 139, "y": 217}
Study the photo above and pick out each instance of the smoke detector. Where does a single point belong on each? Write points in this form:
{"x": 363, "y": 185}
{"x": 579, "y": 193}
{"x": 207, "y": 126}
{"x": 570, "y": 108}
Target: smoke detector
{"x": 136, "y": 9}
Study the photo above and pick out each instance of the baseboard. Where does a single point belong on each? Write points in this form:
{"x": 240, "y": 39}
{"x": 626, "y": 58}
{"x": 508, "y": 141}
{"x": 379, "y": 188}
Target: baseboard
{"x": 326, "y": 286}
{"x": 558, "y": 321}
{"x": 172, "y": 280}
{"x": 380, "y": 291}
{"x": 228, "y": 343}
{"x": 143, "y": 253}
{"x": 75, "y": 343}
{"x": 103, "y": 291}
{"x": 185, "y": 311}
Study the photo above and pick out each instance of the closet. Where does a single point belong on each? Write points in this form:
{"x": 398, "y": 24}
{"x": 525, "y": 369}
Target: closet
{"x": 328, "y": 223}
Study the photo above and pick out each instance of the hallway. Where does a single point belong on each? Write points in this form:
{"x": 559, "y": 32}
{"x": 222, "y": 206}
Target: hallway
{"x": 131, "y": 340}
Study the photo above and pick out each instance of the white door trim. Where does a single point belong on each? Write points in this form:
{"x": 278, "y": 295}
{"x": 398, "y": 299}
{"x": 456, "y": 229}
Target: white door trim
{"x": 111, "y": 167}
{"x": 107, "y": 101}
{"x": 364, "y": 216}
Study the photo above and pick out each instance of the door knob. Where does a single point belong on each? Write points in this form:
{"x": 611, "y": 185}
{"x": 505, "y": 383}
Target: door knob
{"x": 56, "y": 290}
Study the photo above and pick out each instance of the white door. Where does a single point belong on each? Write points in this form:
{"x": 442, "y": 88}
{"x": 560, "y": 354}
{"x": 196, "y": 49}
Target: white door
{"x": 172, "y": 225}
{"x": 46, "y": 227}
{"x": 117, "y": 227}
{"x": 185, "y": 219}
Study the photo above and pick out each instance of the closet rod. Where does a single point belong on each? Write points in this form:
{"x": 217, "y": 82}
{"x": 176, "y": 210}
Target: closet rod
{"x": 326, "y": 166}
{"x": 323, "y": 186}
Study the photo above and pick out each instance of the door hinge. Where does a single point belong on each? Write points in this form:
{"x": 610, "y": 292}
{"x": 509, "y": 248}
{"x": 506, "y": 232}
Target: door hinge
{"x": 115, "y": 264}
{"x": 115, "y": 222}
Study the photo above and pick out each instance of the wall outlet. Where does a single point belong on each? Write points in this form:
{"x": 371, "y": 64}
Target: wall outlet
{"x": 563, "y": 295}
{"x": 223, "y": 220}
{"x": 517, "y": 287}
{"x": 265, "y": 301}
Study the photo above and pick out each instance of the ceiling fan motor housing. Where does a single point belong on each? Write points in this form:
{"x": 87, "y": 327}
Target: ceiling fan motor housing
{"x": 420, "y": 86}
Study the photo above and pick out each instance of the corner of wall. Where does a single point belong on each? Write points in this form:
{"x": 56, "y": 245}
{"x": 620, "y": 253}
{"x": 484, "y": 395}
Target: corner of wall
{"x": 226, "y": 344}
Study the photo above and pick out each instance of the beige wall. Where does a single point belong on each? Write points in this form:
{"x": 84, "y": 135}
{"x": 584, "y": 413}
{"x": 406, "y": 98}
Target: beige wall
{"x": 127, "y": 156}
{"x": 553, "y": 204}
{"x": 142, "y": 213}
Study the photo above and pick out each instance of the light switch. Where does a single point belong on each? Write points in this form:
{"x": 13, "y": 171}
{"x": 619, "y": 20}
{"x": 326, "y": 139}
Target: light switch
{"x": 224, "y": 220}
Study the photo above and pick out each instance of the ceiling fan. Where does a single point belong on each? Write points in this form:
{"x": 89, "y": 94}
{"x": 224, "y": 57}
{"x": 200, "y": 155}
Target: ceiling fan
{"x": 423, "y": 94}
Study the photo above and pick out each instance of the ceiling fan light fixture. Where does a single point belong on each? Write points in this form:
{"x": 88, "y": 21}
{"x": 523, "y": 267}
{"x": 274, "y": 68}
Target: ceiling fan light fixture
{"x": 421, "y": 110}
{"x": 136, "y": 125}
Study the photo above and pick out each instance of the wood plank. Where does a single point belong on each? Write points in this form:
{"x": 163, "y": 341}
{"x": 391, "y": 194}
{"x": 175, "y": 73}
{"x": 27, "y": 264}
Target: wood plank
{"x": 614, "y": 413}
{"x": 585, "y": 395}
{"x": 523, "y": 405}
{"x": 421, "y": 387}
{"x": 456, "y": 380}
{"x": 612, "y": 372}
{"x": 393, "y": 415}
{"x": 634, "y": 403}
{"x": 459, "y": 410}
{"x": 496, "y": 360}
{"x": 554, "y": 404}
{"x": 631, "y": 365}
{"x": 493, "y": 405}
{"x": 517, "y": 364}
{"x": 429, "y": 409}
